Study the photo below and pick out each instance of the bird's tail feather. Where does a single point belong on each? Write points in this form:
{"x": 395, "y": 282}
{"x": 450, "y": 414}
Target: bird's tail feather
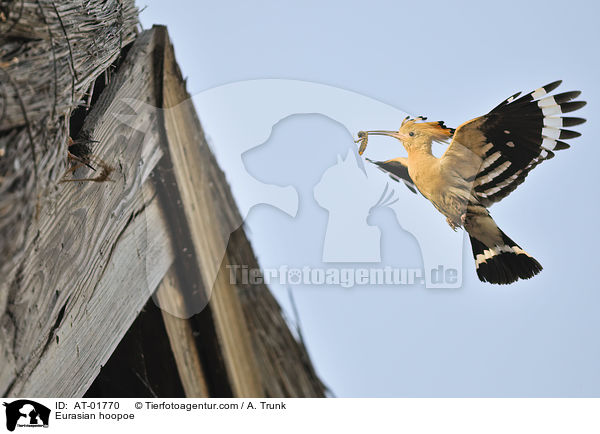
{"x": 503, "y": 264}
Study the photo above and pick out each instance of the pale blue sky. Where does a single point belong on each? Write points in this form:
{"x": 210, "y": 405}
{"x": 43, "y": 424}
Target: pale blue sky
{"x": 447, "y": 61}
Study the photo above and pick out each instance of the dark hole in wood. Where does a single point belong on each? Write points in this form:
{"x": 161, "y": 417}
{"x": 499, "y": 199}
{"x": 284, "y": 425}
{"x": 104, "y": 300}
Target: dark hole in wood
{"x": 79, "y": 114}
{"x": 143, "y": 365}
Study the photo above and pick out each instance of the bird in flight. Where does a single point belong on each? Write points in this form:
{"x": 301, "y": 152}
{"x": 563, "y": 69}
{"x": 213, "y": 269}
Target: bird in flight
{"x": 488, "y": 157}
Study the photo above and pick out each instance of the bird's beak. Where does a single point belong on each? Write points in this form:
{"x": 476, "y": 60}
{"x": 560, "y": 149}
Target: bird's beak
{"x": 394, "y": 134}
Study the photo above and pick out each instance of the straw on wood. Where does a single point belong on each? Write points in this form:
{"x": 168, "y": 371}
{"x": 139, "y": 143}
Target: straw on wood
{"x": 50, "y": 53}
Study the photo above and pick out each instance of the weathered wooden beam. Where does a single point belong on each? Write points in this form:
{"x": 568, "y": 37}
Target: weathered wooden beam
{"x": 181, "y": 337}
{"x": 97, "y": 253}
{"x": 93, "y": 325}
{"x": 251, "y": 332}
{"x": 284, "y": 363}
{"x": 192, "y": 168}
{"x": 51, "y": 52}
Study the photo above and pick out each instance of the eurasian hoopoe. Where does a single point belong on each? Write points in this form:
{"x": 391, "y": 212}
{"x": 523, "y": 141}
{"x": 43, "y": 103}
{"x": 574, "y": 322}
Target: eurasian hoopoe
{"x": 487, "y": 159}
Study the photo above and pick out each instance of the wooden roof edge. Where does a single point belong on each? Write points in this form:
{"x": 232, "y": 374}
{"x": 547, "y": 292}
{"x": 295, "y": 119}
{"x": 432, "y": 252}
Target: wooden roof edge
{"x": 233, "y": 313}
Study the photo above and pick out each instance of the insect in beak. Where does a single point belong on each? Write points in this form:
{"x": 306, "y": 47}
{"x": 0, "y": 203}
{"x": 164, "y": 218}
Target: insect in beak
{"x": 363, "y": 138}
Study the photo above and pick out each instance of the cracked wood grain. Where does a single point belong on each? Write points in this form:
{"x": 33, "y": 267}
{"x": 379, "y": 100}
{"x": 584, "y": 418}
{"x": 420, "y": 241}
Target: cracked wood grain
{"x": 85, "y": 254}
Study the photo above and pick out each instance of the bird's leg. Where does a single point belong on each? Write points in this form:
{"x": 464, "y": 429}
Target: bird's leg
{"x": 451, "y": 223}
{"x": 455, "y": 225}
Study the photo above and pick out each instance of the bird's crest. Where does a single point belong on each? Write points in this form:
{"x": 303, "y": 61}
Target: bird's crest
{"x": 438, "y": 131}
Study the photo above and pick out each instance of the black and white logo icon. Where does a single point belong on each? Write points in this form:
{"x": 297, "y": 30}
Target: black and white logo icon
{"x": 25, "y": 413}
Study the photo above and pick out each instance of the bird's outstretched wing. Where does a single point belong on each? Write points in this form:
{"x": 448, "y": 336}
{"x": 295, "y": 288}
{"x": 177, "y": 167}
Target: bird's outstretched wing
{"x": 508, "y": 142}
{"x": 398, "y": 171}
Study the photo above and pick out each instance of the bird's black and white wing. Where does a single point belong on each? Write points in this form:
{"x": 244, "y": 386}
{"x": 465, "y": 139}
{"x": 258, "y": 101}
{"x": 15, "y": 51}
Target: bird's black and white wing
{"x": 513, "y": 138}
{"x": 397, "y": 170}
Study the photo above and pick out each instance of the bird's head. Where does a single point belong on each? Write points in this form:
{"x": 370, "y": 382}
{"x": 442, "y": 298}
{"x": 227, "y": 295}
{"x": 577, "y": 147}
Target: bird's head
{"x": 414, "y": 133}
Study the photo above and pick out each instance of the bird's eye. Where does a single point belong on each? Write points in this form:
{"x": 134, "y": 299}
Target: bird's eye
{"x": 411, "y": 133}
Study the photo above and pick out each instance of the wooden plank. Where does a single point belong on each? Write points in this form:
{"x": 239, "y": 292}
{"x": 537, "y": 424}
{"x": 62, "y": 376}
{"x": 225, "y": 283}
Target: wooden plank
{"x": 286, "y": 369}
{"x": 183, "y": 343}
{"x": 51, "y": 52}
{"x": 78, "y": 249}
{"x": 88, "y": 334}
{"x": 209, "y": 231}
